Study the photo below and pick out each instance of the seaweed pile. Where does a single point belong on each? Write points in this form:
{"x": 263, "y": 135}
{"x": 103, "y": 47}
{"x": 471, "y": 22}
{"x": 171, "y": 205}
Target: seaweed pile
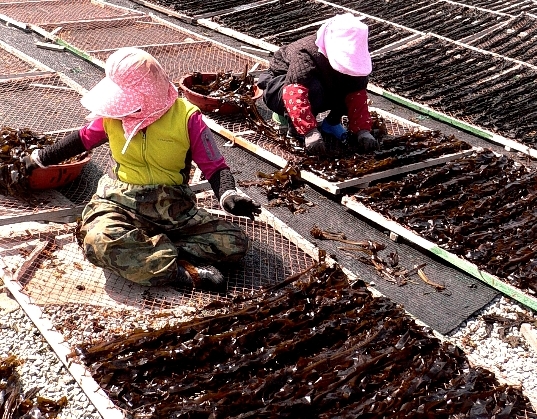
{"x": 395, "y": 151}
{"x": 225, "y": 86}
{"x": 284, "y": 188}
{"x": 368, "y": 252}
{"x": 463, "y": 83}
{"x": 15, "y": 404}
{"x": 199, "y": 7}
{"x": 449, "y": 20}
{"x": 518, "y": 40}
{"x": 14, "y": 145}
{"x": 514, "y": 7}
{"x": 482, "y": 208}
{"x": 314, "y": 346}
{"x": 276, "y": 17}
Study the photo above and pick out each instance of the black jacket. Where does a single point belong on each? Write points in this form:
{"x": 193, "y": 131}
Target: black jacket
{"x": 303, "y": 63}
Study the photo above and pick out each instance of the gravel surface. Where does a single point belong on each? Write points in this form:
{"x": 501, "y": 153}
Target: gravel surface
{"x": 41, "y": 367}
{"x": 503, "y": 351}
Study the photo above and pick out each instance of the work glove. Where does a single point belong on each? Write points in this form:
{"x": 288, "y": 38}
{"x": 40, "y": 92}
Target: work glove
{"x": 314, "y": 143}
{"x": 239, "y": 204}
{"x": 366, "y": 142}
{"x": 29, "y": 164}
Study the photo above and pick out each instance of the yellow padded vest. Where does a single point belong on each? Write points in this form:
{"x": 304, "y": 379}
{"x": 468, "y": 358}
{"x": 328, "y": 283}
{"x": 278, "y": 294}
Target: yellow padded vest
{"x": 157, "y": 156}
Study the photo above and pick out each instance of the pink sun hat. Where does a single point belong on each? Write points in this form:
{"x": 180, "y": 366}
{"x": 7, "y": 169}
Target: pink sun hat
{"x": 343, "y": 40}
{"x": 136, "y": 90}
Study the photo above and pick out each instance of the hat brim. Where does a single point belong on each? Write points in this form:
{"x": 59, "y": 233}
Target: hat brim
{"x": 107, "y": 99}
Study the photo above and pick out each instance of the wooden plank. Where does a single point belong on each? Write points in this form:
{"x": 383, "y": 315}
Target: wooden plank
{"x": 256, "y": 51}
{"x": 9, "y": 21}
{"x": 49, "y": 46}
{"x": 236, "y": 139}
{"x": 449, "y": 257}
{"x": 171, "y": 44}
{"x": 530, "y": 334}
{"x": 65, "y": 215}
{"x": 10, "y": 77}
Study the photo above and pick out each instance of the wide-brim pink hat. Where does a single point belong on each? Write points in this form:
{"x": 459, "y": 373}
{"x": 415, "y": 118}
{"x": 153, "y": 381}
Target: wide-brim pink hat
{"x": 343, "y": 39}
{"x": 136, "y": 89}
{"x": 109, "y": 100}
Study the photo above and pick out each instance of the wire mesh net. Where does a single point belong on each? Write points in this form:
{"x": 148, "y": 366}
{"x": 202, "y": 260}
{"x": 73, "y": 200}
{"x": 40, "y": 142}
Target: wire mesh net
{"x": 204, "y": 56}
{"x": 48, "y": 12}
{"x": 517, "y": 39}
{"x": 10, "y": 64}
{"x": 179, "y": 51}
{"x": 102, "y": 35}
{"x": 56, "y": 272}
{"x": 42, "y": 103}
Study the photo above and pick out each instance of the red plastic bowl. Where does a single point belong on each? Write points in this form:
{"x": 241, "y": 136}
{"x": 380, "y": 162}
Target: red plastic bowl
{"x": 210, "y": 104}
{"x": 57, "y": 175}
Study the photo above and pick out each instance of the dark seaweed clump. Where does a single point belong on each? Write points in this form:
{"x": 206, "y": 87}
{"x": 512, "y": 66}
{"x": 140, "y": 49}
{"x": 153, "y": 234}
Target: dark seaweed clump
{"x": 320, "y": 348}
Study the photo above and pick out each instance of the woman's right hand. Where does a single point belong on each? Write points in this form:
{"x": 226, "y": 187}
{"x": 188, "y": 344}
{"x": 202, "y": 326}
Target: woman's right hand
{"x": 314, "y": 142}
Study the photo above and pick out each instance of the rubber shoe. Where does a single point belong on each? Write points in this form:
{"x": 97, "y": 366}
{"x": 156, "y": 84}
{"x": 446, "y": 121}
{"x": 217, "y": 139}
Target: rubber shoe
{"x": 202, "y": 276}
{"x": 280, "y": 120}
{"x": 208, "y": 273}
{"x": 337, "y": 131}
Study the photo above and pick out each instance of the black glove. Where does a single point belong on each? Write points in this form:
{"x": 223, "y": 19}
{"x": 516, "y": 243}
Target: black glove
{"x": 366, "y": 142}
{"x": 239, "y": 204}
{"x": 314, "y": 142}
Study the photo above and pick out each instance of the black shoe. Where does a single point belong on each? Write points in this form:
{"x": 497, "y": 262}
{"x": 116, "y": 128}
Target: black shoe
{"x": 201, "y": 276}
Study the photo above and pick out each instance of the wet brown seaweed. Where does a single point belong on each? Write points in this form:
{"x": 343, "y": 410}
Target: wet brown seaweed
{"x": 320, "y": 347}
{"x": 464, "y": 84}
{"x": 395, "y": 151}
{"x": 14, "y": 145}
{"x": 284, "y": 188}
{"x": 226, "y": 86}
{"x": 15, "y": 404}
{"x": 482, "y": 208}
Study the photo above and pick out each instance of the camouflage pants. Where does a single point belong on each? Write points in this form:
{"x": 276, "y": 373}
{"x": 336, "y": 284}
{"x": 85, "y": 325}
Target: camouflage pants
{"x": 140, "y": 232}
